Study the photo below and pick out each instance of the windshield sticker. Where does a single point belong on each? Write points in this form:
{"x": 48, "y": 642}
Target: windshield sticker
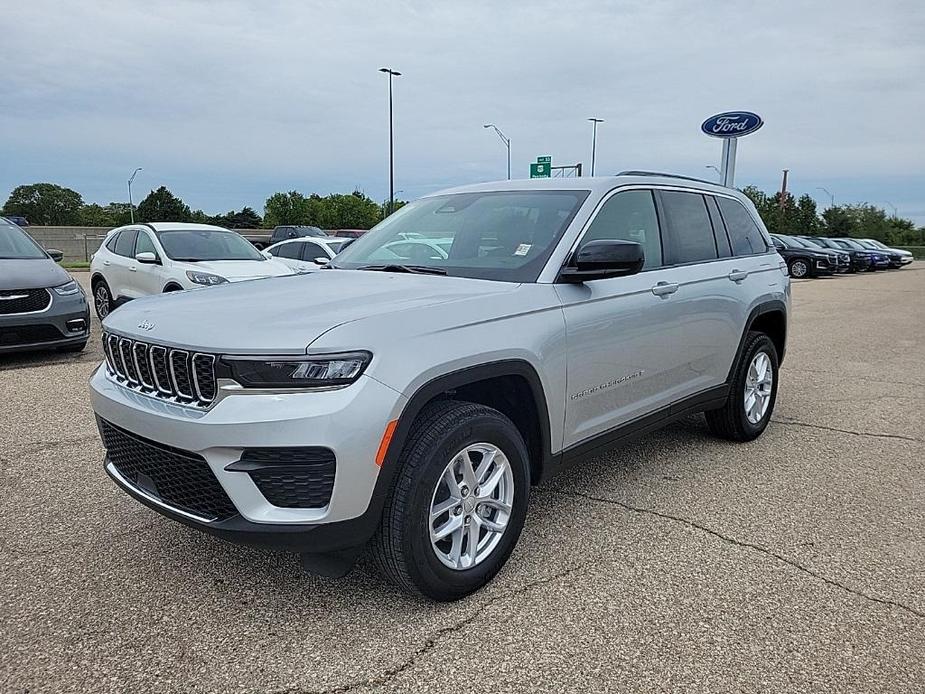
{"x": 523, "y": 249}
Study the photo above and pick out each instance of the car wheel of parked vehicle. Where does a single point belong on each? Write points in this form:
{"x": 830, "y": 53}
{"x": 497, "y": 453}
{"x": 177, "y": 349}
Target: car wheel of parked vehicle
{"x": 752, "y": 394}
{"x": 458, "y": 504}
{"x": 102, "y": 298}
{"x": 798, "y": 268}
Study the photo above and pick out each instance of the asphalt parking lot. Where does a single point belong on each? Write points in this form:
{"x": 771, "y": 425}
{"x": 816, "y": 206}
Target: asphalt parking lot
{"x": 679, "y": 563}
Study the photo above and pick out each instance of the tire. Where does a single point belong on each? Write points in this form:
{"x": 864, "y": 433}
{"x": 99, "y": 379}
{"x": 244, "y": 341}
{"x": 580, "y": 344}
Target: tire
{"x": 798, "y": 268}
{"x": 173, "y": 288}
{"x": 79, "y": 347}
{"x": 102, "y": 299}
{"x": 731, "y": 421}
{"x": 402, "y": 548}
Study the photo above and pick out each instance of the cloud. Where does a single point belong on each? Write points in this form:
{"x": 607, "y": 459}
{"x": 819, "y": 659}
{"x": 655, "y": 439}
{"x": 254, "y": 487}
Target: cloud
{"x": 228, "y": 102}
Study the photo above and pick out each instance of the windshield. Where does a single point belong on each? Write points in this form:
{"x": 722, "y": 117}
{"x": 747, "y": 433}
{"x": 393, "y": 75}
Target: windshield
{"x": 205, "y": 244}
{"x": 848, "y": 243}
{"x": 869, "y": 244}
{"x": 787, "y": 241}
{"x": 506, "y": 235}
{"x": 15, "y": 243}
{"x": 878, "y": 245}
{"x": 813, "y": 243}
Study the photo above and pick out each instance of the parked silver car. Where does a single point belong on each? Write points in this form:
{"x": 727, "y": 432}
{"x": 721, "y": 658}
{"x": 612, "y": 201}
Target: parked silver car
{"x": 408, "y": 404}
{"x": 41, "y": 306}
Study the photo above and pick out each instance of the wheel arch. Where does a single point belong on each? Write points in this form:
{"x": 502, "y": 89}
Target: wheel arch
{"x": 769, "y": 317}
{"x": 172, "y": 286}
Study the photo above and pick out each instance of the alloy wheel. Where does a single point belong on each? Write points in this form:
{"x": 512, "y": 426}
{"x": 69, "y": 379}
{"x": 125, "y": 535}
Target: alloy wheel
{"x": 799, "y": 269}
{"x": 101, "y": 301}
{"x": 758, "y": 385}
{"x": 471, "y": 506}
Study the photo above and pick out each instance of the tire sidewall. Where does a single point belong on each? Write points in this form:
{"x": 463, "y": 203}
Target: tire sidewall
{"x": 761, "y": 343}
{"x": 432, "y": 577}
{"x": 805, "y": 265}
{"x": 101, "y": 284}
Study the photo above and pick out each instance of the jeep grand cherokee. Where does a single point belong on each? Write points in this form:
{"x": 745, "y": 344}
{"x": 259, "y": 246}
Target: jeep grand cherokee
{"x": 405, "y": 398}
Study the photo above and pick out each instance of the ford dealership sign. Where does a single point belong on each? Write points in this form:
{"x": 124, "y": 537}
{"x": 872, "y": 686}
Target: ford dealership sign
{"x": 732, "y": 124}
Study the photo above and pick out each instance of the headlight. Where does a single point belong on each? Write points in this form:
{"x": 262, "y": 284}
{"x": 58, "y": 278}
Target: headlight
{"x": 68, "y": 288}
{"x": 321, "y": 371}
{"x": 205, "y": 277}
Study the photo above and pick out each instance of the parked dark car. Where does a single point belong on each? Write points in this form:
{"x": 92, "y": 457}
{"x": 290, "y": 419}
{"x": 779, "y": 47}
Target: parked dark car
{"x": 898, "y": 257}
{"x": 41, "y": 305}
{"x": 348, "y": 233}
{"x": 17, "y": 220}
{"x": 860, "y": 261}
{"x": 876, "y": 260}
{"x": 803, "y": 261}
{"x": 840, "y": 257}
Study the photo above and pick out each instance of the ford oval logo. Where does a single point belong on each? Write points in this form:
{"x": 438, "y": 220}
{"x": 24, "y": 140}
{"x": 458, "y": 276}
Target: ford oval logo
{"x": 732, "y": 124}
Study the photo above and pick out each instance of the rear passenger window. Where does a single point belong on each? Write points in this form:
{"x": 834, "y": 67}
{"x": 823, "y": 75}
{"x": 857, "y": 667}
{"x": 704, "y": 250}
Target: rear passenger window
{"x": 288, "y": 250}
{"x": 744, "y": 234}
{"x": 111, "y": 243}
{"x": 125, "y": 245}
{"x": 690, "y": 234}
{"x": 629, "y": 216}
{"x": 310, "y": 251}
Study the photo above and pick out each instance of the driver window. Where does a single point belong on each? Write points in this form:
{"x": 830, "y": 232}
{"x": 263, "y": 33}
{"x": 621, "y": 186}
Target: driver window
{"x": 629, "y": 216}
{"x": 310, "y": 251}
{"x": 144, "y": 244}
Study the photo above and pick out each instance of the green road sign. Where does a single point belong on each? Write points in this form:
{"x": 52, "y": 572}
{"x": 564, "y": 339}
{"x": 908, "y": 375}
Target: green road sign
{"x": 544, "y": 160}
{"x": 540, "y": 170}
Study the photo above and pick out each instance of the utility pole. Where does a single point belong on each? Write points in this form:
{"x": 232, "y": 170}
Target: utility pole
{"x": 594, "y": 122}
{"x": 831, "y": 195}
{"x": 507, "y": 143}
{"x": 131, "y": 207}
{"x": 783, "y": 199}
{"x": 391, "y": 73}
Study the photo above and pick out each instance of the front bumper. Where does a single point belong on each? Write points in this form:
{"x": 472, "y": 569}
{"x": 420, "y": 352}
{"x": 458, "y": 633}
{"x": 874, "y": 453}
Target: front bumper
{"x": 349, "y": 421}
{"x": 64, "y": 323}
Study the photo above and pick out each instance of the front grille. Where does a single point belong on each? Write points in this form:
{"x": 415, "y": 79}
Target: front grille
{"x": 181, "y": 479}
{"x": 301, "y": 477}
{"x": 23, "y": 301}
{"x": 172, "y": 374}
{"x": 29, "y": 334}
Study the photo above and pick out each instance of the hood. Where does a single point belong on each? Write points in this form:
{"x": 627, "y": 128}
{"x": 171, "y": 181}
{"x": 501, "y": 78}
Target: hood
{"x": 31, "y": 273}
{"x": 286, "y": 314}
{"x": 235, "y": 270}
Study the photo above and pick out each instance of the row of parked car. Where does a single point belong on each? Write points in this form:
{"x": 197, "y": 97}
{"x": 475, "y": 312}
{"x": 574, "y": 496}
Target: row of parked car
{"x": 814, "y": 256}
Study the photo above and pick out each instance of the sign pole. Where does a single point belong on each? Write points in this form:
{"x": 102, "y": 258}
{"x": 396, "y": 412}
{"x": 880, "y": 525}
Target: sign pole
{"x": 728, "y": 166}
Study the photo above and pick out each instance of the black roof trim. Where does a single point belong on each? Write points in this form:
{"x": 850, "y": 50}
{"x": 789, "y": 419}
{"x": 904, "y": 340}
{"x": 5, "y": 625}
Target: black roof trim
{"x": 669, "y": 175}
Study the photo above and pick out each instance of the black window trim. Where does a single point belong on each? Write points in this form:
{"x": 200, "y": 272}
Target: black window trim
{"x": 706, "y": 209}
{"x": 743, "y": 255}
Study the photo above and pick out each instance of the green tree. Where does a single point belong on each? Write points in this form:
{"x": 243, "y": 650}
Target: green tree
{"x": 838, "y": 222}
{"x": 384, "y": 208}
{"x": 354, "y": 211}
{"x": 163, "y": 206}
{"x": 286, "y": 208}
{"x": 247, "y": 218}
{"x": 806, "y": 217}
{"x": 112, "y": 215}
{"x": 45, "y": 203}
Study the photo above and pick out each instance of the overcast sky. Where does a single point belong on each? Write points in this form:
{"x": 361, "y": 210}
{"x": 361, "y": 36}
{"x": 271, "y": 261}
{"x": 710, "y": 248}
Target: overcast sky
{"x": 228, "y": 102}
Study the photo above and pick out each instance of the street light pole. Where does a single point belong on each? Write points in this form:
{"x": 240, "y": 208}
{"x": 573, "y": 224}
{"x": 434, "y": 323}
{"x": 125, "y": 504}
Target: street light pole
{"x": 507, "y": 143}
{"x": 716, "y": 169}
{"x": 594, "y": 122}
{"x": 131, "y": 207}
{"x": 895, "y": 213}
{"x": 831, "y": 195}
{"x": 391, "y": 73}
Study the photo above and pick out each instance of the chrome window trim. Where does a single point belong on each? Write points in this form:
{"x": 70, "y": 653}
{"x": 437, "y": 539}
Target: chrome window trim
{"x": 195, "y": 376}
{"x": 51, "y": 300}
{"x": 173, "y": 373}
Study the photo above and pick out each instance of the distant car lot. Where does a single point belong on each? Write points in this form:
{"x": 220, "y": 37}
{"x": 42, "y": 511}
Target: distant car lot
{"x": 676, "y": 563}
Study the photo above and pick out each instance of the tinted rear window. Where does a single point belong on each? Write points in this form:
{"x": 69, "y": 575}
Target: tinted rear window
{"x": 125, "y": 244}
{"x": 744, "y": 234}
{"x": 690, "y": 234}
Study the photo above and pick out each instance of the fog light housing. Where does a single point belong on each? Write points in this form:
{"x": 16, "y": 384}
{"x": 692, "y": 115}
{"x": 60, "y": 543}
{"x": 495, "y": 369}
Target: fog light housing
{"x": 78, "y": 325}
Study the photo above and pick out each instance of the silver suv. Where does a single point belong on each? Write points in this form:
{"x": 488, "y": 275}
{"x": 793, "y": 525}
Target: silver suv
{"x": 405, "y": 398}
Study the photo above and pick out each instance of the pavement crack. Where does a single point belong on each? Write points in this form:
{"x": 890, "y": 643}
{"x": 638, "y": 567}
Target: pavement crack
{"x": 854, "y": 432}
{"x": 745, "y": 545}
{"x": 43, "y": 446}
{"x": 434, "y": 639}
{"x": 856, "y": 377}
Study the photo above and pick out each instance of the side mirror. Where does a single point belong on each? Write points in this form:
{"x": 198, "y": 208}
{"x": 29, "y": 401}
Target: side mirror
{"x": 147, "y": 258}
{"x": 55, "y": 254}
{"x": 321, "y": 261}
{"x": 605, "y": 258}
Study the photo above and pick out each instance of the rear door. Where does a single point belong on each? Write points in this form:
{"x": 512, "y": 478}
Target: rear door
{"x": 117, "y": 274}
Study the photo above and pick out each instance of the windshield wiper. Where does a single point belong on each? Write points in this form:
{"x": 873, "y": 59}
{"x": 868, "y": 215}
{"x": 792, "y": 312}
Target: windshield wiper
{"x": 416, "y": 269}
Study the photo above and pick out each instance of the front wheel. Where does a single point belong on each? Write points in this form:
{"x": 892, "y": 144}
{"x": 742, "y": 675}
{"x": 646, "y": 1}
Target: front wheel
{"x": 752, "y": 394}
{"x": 799, "y": 269}
{"x": 459, "y": 502}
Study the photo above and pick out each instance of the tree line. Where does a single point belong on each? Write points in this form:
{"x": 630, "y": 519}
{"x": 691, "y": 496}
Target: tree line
{"x": 48, "y": 204}
{"x": 860, "y": 220}
{"x": 53, "y": 205}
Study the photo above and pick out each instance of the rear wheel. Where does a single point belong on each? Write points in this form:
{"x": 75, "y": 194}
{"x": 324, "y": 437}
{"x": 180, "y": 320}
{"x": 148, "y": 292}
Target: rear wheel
{"x": 459, "y": 502}
{"x": 752, "y": 394}
{"x": 102, "y": 299}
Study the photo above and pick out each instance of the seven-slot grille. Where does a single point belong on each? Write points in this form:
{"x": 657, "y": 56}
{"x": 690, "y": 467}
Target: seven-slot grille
{"x": 23, "y": 301}
{"x": 173, "y": 374}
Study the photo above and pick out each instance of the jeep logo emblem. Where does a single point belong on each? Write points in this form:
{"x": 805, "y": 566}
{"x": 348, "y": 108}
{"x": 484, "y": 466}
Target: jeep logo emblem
{"x": 146, "y": 325}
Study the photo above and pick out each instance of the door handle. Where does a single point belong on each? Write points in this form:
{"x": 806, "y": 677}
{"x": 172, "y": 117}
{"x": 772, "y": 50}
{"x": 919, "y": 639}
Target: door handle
{"x": 665, "y": 288}
{"x": 107, "y": 263}
{"x": 133, "y": 269}
{"x": 737, "y": 275}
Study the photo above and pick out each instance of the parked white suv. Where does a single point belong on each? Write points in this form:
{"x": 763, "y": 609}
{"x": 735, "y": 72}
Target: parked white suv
{"x": 303, "y": 253}
{"x": 143, "y": 259}
{"x": 407, "y": 401}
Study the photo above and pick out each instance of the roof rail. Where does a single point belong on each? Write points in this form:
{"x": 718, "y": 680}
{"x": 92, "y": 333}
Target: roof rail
{"x": 667, "y": 175}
